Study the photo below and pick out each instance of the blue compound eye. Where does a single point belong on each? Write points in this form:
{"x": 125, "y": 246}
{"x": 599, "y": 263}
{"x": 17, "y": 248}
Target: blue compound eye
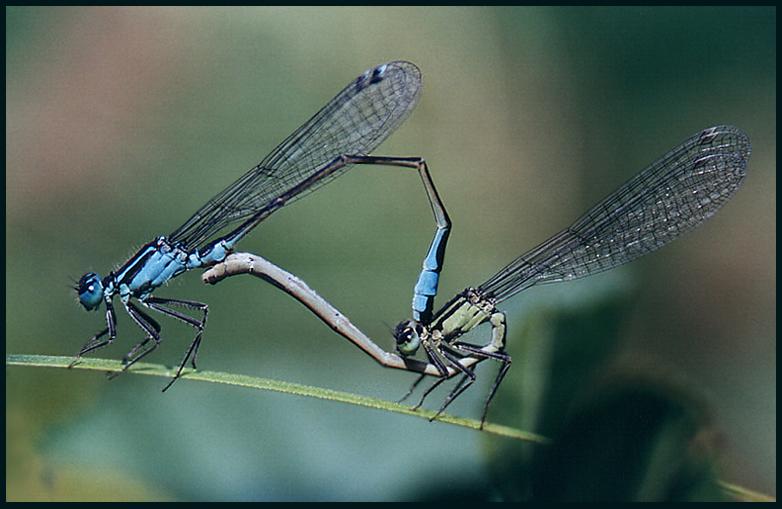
{"x": 90, "y": 291}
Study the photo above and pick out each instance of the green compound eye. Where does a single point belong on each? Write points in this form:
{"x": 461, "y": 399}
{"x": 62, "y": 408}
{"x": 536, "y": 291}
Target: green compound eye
{"x": 408, "y": 338}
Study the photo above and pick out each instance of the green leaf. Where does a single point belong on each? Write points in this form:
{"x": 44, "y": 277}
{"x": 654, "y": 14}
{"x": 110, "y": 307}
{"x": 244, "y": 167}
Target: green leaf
{"x": 436, "y": 489}
{"x": 269, "y": 385}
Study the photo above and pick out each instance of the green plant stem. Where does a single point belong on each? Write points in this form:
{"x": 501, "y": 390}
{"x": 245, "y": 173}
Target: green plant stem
{"x": 142, "y": 368}
{"x": 734, "y": 491}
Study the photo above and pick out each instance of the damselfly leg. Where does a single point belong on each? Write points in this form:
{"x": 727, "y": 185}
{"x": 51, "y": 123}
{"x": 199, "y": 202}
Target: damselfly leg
{"x": 95, "y": 342}
{"x": 445, "y": 354}
{"x": 464, "y": 350}
{"x": 152, "y": 333}
{"x": 162, "y": 306}
{"x": 501, "y": 356}
{"x": 412, "y": 388}
{"x": 466, "y": 381}
{"x": 442, "y": 358}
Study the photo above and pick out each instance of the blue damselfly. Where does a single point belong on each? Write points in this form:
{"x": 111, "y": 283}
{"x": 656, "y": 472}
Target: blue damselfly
{"x": 340, "y": 135}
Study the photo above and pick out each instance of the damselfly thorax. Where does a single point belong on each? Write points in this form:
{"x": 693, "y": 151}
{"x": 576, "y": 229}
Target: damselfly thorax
{"x": 466, "y": 311}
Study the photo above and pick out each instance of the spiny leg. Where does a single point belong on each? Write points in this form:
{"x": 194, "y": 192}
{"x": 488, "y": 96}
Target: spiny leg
{"x": 147, "y": 324}
{"x": 497, "y": 381}
{"x": 435, "y": 359}
{"x": 152, "y": 330}
{"x": 462, "y": 380}
{"x": 451, "y": 396}
{"x": 159, "y": 305}
{"x": 426, "y": 393}
{"x": 469, "y": 378}
{"x": 505, "y": 361}
{"x": 412, "y": 388}
{"x": 470, "y": 350}
{"x": 134, "y": 351}
{"x": 133, "y": 356}
{"x": 95, "y": 342}
{"x": 193, "y": 346}
{"x": 499, "y": 332}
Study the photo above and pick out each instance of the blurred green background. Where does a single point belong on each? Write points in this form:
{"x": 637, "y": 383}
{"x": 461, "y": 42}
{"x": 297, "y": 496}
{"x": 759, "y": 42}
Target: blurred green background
{"x": 120, "y": 122}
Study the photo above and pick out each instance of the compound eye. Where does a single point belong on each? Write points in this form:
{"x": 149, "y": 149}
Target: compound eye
{"x": 405, "y": 335}
{"x": 408, "y": 340}
{"x": 90, "y": 291}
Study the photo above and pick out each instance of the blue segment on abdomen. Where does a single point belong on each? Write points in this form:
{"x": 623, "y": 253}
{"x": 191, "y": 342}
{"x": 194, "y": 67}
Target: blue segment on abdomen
{"x": 424, "y": 292}
{"x": 420, "y": 307}
{"x": 426, "y": 287}
{"x": 215, "y": 253}
{"x": 427, "y": 283}
{"x": 433, "y": 259}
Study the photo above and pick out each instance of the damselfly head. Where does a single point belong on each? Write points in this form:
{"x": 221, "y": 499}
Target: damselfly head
{"x": 90, "y": 290}
{"x": 408, "y": 337}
